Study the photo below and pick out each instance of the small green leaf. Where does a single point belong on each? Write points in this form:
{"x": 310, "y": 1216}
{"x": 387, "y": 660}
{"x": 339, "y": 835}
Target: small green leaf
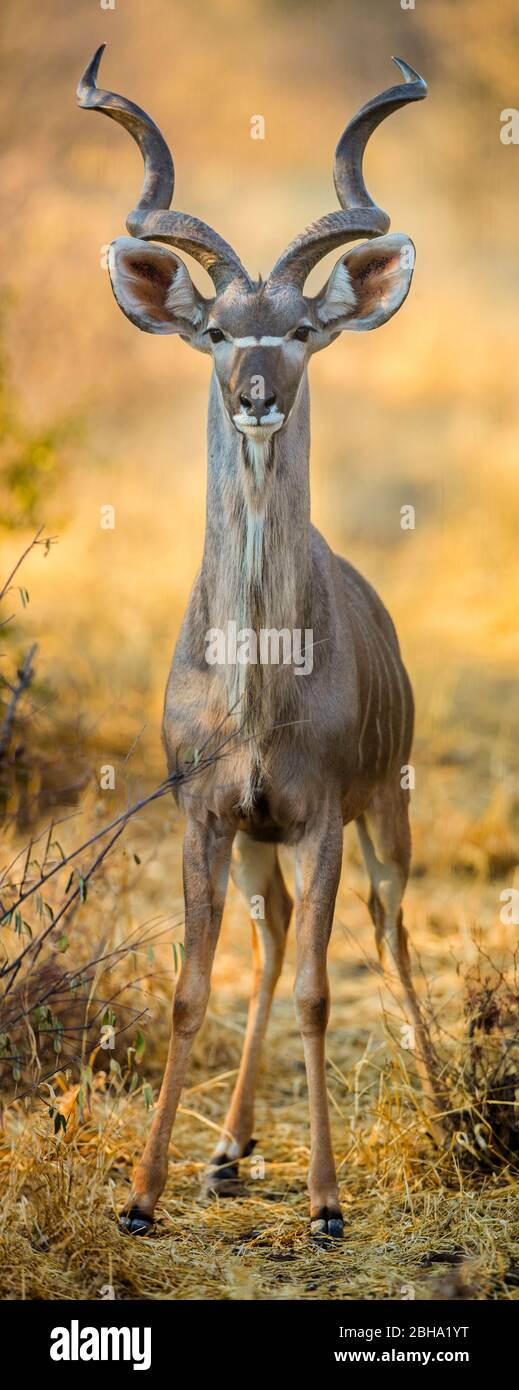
{"x": 148, "y": 1095}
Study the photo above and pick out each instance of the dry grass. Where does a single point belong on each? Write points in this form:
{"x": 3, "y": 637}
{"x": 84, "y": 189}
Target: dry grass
{"x": 419, "y": 1223}
{"x": 424, "y": 412}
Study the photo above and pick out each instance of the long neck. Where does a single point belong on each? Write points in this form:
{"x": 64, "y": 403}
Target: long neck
{"x": 256, "y": 570}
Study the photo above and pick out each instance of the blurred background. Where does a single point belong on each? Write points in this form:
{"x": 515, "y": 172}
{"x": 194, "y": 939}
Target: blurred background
{"x": 424, "y": 411}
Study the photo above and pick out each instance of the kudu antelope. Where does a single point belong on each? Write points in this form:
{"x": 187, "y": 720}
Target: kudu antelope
{"x": 304, "y": 755}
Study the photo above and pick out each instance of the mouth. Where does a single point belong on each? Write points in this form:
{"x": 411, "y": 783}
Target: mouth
{"x": 259, "y": 430}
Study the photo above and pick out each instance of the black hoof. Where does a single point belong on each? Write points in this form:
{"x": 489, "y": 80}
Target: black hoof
{"x": 222, "y": 1178}
{"x": 135, "y": 1222}
{"x": 327, "y": 1224}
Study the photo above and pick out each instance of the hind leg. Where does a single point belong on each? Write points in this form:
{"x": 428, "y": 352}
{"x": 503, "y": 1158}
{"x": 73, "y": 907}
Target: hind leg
{"x": 385, "y": 839}
{"x": 256, "y": 872}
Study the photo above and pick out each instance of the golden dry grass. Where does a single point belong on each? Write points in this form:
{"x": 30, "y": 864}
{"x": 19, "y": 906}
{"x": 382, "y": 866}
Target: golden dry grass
{"x": 418, "y": 1224}
{"x": 424, "y": 412}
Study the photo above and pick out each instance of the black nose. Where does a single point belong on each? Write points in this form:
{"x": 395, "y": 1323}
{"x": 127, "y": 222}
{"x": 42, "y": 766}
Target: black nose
{"x": 257, "y": 408}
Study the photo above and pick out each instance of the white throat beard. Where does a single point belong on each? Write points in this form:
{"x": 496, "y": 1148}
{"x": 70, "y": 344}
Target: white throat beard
{"x": 257, "y": 472}
{"x": 257, "y": 468}
{"x": 257, "y": 462}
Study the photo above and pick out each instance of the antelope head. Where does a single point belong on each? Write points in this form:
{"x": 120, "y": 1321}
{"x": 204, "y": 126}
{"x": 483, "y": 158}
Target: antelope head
{"x": 260, "y": 334}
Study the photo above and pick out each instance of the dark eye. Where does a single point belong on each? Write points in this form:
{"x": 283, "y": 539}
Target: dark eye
{"x": 301, "y": 333}
{"x": 215, "y": 335}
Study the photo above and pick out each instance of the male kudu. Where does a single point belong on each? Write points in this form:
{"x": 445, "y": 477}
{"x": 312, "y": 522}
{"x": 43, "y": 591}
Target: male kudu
{"x": 303, "y": 756}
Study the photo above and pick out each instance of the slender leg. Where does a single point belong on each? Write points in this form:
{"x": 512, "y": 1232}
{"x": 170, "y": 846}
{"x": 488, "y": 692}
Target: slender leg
{"x": 319, "y": 858}
{"x": 386, "y": 843}
{"x": 256, "y": 872}
{"x": 206, "y": 868}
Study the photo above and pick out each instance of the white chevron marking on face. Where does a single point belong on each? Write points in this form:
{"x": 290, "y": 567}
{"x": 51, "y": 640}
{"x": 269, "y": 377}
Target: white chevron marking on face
{"x": 257, "y": 342}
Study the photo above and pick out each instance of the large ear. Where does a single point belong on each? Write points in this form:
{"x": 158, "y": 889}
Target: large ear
{"x": 367, "y": 285}
{"x": 154, "y": 289}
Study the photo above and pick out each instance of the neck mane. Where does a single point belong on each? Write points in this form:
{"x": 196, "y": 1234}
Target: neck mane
{"x": 256, "y": 570}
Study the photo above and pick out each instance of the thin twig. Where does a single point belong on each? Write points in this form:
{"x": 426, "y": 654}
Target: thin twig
{"x": 25, "y": 675}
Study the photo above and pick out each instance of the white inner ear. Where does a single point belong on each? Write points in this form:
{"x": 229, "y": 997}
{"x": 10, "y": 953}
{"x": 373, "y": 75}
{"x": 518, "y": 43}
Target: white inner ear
{"x": 340, "y": 295}
{"x": 180, "y": 299}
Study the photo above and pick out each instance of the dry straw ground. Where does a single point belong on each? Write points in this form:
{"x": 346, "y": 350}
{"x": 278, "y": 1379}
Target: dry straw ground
{"x": 424, "y": 412}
